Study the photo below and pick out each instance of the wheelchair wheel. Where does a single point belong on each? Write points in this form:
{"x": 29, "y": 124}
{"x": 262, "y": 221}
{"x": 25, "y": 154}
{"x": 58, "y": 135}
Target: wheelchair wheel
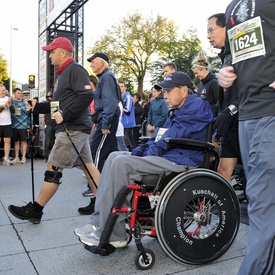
{"x": 139, "y": 261}
{"x": 197, "y": 217}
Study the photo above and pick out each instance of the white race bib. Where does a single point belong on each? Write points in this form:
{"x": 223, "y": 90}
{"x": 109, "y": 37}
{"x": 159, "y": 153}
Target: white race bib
{"x": 246, "y": 40}
{"x": 160, "y": 133}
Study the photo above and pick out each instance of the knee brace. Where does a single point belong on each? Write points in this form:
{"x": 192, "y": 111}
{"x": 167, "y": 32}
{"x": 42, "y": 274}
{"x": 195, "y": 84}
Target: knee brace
{"x": 53, "y": 176}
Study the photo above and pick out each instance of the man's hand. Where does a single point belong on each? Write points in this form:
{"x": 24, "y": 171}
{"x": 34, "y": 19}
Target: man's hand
{"x": 30, "y": 104}
{"x": 226, "y": 76}
{"x": 105, "y": 131}
{"x": 223, "y": 121}
{"x": 9, "y": 101}
{"x": 272, "y": 85}
{"x": 150, "y": 128}
{"x": 58, "y": 117}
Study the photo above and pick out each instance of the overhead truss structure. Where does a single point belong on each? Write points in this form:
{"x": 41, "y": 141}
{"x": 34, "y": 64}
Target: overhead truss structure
{"x": 68, "y": 24}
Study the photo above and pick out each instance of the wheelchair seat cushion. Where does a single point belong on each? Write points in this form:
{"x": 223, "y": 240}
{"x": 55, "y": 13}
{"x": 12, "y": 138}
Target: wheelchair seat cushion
{"x": 150, "y": 180}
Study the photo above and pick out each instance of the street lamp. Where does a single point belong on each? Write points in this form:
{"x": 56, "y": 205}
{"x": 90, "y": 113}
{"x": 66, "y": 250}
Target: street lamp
{"x": 12, "y": 29}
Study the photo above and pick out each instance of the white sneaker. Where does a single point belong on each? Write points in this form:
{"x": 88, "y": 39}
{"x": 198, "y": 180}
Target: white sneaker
{"x": 93, "y": 240}
{"x": 7, "y": 161}
{"x": 86, "y": 230}
{"x": 23, "y": 160}
{"x": 15, "y": 160}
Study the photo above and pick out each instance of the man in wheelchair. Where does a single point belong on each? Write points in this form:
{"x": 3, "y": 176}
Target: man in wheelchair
{"x": 189, "y": 119}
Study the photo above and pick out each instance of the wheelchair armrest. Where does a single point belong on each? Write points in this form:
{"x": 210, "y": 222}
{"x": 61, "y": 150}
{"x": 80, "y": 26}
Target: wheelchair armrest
{"x": 192, "y": 144}
{"x": 144, "y": 139}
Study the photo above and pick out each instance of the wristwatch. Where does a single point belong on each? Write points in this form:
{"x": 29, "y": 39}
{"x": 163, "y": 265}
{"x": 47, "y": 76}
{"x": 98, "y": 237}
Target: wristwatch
{"x": 233, "y": 109}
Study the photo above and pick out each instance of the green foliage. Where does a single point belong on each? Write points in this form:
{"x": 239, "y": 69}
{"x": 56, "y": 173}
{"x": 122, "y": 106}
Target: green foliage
{"x": 181, "y": 52}
{"x": 3, "y": 70}
{"x": 138, "y": 47}
{"x": 215, "y": 62}
{"x": 133, "y": 45}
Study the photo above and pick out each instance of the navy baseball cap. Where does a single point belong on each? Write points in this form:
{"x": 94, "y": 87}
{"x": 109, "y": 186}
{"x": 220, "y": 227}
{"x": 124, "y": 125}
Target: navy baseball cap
{"x": 175, "y": 79}
{"x": 99, "y": 54}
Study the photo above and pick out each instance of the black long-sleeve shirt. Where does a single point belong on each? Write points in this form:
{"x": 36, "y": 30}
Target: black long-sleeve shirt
{"x": 73, "y": 91}
{"x": 255, "y": 97}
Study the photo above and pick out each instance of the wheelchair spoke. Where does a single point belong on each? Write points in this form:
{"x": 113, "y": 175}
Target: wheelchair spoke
{"x": 200, "y": 218}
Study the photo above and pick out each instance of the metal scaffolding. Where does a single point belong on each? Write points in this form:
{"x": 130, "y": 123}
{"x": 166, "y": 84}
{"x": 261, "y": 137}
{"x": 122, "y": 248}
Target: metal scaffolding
{"x": 68, "y": 24}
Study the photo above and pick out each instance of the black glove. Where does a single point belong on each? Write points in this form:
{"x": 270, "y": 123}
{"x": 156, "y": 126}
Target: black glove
{"x": 223, "y": 121}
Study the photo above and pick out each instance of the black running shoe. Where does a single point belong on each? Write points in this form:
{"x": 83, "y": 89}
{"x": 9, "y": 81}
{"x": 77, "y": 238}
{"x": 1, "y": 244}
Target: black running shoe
{"x": 26, "y": 213}
{"x": 89, "y": 209}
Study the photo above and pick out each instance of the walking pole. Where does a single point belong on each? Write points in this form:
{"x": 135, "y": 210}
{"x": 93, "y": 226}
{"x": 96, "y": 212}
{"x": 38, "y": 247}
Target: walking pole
{"x": 86, "y": 168}
{"x": 31, "y": 149}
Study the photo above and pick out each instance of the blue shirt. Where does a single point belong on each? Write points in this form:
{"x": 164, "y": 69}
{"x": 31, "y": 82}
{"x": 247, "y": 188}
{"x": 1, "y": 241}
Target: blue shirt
{"x": 128, "y": 117}
{"x": 158, "y": 112}
{"x": 20, "y": 119}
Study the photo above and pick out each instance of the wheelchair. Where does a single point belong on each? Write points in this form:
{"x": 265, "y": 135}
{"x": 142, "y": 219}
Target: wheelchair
{"x": 194, "y": 214}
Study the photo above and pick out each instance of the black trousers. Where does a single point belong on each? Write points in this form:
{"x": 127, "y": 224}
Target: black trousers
{"x": 129, "y": 138}
{"x": 49, "y": 139}
{"x": 103, "y": 145}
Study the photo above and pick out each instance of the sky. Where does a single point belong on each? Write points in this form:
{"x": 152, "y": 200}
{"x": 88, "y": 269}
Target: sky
{"x": 99, "y": 16}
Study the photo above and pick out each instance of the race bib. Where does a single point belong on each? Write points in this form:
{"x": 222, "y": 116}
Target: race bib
{"x": 246, "y": 40}
{"x": 17, "y": 111}
{"x": 160, "y": 133}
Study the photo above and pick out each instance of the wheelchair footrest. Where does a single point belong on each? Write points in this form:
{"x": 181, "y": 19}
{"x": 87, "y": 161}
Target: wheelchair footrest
{"x": 102, "y": 250}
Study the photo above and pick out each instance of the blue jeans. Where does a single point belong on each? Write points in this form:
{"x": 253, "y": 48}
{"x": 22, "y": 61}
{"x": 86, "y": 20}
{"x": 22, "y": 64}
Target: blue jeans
{"x": 121, "y": 143}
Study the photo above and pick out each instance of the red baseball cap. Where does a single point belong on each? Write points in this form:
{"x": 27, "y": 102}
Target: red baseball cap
{"x": 59, "y": 42}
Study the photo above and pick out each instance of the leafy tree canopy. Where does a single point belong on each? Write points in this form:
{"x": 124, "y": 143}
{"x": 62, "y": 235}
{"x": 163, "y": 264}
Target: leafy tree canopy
{"x": 3, "y": 70}
{"x": 138, "y": 47}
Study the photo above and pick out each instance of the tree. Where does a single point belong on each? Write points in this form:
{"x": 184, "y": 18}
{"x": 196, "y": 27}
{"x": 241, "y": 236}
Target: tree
{"x": 3, "y": 70}
{"x": 133, "y": 44}
{"x": 181, "y": 52}
{"x": 215, "y": 62}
